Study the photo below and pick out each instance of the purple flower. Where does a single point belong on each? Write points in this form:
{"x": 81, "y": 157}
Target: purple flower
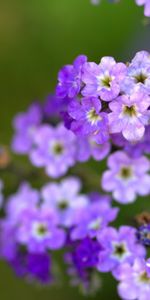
{"x": 86, "y": 253}
{"x": 118, "y": 247}
{"x": 87, "y": 148}
{"x": 134, "y": 149}
{"x": 93, "y": 218}
{"x": 138, "y": 74}
{"x": 81, "y": 261}
{"x": 25, "y": 125}
{"x": 55, "y": 149}
{"x": 64, "y": 199}
{"x": 25, "y": 198}
{"x": 104, "y": 79}
{"x": 38, "y": 231}
{"x": 130, "y": 115}
{"x": 53, "y": 106}
{"x": 88, "y": 120}
{"x": 134, "y": 281}
{"x": 126, "y": 177}
{"x": 18, "y": 264}
{"x": 33, "y": 266}
{"x": 39, "y": 267}
{"x": 146, "y": 4}
{"x": 69, "y": 78}
{"x": 141, "y": 58}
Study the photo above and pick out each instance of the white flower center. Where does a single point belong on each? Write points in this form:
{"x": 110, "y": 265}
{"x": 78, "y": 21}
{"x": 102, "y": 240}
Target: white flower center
{"x": 95, "y": 224}
{"x": 120, "y": 251}
{"x": 40, "y": 230}
{"x": 93, "y": 117}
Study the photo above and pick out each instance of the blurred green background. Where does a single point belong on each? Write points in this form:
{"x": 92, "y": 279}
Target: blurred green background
{"x": 37, "y": 37}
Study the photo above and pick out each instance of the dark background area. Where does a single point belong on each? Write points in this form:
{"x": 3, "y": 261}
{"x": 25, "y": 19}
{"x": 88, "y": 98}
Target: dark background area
{"x": 37, "y": 37}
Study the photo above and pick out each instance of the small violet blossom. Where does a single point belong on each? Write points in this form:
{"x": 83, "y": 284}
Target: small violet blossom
{"x": 38, "y": 231}
{"x": 65, "y": 200}
{"x": 126, "y": 177}
{"x": 104, "y": 79}
{"x": 55, "y": 149}
{"x": 87, "y": 148}
{"x": 118, "y": 247}
{"x": 129, "y": 115}
{"x": 93, "y": 218}
{"x": 25, "y": 125}
{"x": 25, "y": 198}
{"x": 70, "y": 78}
{"x": 87, "y": 119}
{"x": 134, "y": 281}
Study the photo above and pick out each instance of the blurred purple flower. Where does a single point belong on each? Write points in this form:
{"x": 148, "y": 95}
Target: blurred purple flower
{"x": 92, "y": 219}
{"x": 25, "y": 125}
{"x": 55, "y": 149}
{"x": 69, "y": 78}
{"x": 64, "y": 199}
{"x": 88, "y": 148}
{"x": 118, "y": 247}
{"x": 38, "y": 231}
{"x": 25, "y": 198}
{"x": 134, "y": 281}
{"x": 126, "y": 177}
{"x": 134, "y": 149}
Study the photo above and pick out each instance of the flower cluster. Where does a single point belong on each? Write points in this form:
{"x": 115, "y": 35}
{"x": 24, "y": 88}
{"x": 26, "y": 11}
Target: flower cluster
{"x": 107, "y": 98}
{"x": 146, "y": 4}
{"x": 99, "y": 111}
{"x": 108, "y": 104}
{"x": 40, "y": 134}
{"x": 39, "y": 223}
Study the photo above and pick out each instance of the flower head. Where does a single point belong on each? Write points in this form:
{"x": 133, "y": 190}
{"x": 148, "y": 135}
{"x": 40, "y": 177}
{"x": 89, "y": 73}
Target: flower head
{"x": 92, "y": 219}
{"x": 38, "y": 231}
{"x": 118, "y": 247}
{"x": 55, "y": 149}
{"x": 87, "y": 119}
{"x": 104, "y": 79}
{"x": 65, "y": 201}
{"x": 134, "y": 281}
{"x": 33, "y": 266}
{"x": 69, "y": 78}
{"x": 129, "y": 115}
{"x": 126, "y": 177}
{"x": 87, "y": 148}
{"x": 25, "y": 125}
{"x": 25, "y": 198}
